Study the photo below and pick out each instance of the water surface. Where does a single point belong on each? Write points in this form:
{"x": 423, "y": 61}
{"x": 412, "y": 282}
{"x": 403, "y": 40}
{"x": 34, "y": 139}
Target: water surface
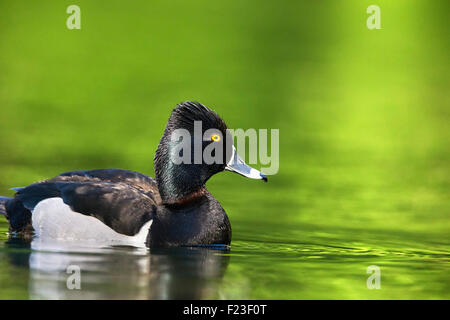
{"x": 364, "y": 173}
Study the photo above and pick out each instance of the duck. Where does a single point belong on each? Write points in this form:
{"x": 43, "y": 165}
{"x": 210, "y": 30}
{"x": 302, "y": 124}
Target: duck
{"x": 120, "y": 206}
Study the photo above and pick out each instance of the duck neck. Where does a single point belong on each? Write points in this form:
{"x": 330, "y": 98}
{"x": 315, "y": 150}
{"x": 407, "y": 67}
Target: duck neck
{"x": 177, "y": 183}
{"x": 178, "y": 189}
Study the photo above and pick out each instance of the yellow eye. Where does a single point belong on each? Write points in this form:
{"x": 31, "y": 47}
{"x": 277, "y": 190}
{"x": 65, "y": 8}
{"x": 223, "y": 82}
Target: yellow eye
{"x": 215, "y": 137}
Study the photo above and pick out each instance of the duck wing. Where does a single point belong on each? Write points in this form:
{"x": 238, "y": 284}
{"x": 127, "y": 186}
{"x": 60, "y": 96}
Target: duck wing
{"x": 137, "y": 180}
{"x": 121, "y": 199}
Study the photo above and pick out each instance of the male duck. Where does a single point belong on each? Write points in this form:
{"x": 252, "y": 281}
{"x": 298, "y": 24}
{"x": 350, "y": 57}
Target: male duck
{"x": 122, "y": 206}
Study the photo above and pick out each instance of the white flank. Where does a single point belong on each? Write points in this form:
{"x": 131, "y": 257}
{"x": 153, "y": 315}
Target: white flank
{"x": 52, "y": 218}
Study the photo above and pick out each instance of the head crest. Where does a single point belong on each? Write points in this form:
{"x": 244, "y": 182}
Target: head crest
{"x": 186, "y": 113}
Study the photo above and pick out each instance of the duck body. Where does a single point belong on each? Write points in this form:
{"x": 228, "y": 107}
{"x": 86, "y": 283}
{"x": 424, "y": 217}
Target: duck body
{"x": 123, "y": 202}
{"x": 201, "y": 222}
{"x": 127, "y": 207}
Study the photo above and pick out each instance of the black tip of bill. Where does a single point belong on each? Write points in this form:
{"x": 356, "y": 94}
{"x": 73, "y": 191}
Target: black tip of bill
{"x": 264, "y": 177}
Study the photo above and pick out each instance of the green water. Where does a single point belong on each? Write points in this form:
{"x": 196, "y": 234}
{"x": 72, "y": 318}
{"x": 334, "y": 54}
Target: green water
{"x": 364, "y": 141}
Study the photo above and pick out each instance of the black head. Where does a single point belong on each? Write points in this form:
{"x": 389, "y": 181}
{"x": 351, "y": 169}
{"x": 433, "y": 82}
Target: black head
{"x": 195, "y": 145}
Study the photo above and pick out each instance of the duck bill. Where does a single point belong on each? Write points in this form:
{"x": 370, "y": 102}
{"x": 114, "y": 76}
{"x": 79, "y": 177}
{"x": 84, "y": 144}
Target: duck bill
{"x": 236, "y": 164}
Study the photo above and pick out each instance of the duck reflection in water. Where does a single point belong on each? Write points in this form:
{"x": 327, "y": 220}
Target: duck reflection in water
{"x": 119, "y": 272}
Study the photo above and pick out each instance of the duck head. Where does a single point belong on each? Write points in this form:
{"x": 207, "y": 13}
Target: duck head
{"x": 195, "y": 146}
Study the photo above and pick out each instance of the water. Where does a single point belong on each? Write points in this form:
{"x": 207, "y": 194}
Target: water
{"x": 270, "y": 258}
{"x": 364, "y": 174}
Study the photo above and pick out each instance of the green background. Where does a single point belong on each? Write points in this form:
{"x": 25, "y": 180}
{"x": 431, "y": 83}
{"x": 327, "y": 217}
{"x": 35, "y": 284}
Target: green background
{"x": 363, "y": 118}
